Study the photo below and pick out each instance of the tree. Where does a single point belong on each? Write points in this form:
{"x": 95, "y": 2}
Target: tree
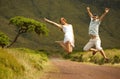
{"x": 25, "y": 25}
{"x": 4, "y": 40}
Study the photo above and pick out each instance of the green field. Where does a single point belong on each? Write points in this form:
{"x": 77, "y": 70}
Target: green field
{"x": 73, "y": 10}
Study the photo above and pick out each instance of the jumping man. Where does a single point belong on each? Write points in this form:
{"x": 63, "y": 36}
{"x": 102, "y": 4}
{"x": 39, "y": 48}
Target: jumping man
{"x": 94, "y": 33}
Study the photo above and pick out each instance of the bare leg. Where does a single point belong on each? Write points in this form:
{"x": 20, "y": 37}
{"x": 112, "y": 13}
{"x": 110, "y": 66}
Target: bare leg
{"x": 101, "y": 51}
{"x": 94, "y": 51}
{"x": 103, "y": 54}
{"x": 62, "y": 44}
{"x": 66, "y": 46}
{"x": 69, "y": 47}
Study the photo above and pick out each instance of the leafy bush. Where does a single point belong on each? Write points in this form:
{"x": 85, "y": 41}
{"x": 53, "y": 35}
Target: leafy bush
{"x": 116, "y": 59}
{"x": 25, "y": 25}
{"x": 78, "y": 58}
{"x": 113, "y": 55}
{"x": 4, "y": 40}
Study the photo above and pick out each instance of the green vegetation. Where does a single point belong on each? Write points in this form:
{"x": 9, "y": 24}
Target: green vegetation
{"x": 75, "y": 13}
{"x": 25, "y": 25}
{"x": 113, "y": 55}
{"x": 21, "y": 63}
{"x": 4, "y": 40}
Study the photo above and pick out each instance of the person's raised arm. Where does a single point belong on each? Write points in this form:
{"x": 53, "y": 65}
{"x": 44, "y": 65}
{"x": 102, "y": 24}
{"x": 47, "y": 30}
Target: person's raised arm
{"x": 102, "y": 16}
{"x": 89, "y": 12}
{"x": 54, "y": 23}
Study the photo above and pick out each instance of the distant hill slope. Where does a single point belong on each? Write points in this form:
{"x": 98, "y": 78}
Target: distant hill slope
{"x": 73, "y": 10}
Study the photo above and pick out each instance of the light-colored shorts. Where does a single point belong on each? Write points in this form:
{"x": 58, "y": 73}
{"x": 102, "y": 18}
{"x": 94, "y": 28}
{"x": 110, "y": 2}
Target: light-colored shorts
{"x": 96, "y": 42}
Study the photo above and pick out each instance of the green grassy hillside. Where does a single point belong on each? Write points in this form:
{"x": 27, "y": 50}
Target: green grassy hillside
{"x": 21, "y": 63}
{"x": 73, "y": 10}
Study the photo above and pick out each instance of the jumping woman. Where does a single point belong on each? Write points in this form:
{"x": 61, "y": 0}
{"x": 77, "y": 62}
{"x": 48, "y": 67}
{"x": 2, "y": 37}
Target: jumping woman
{"x": 68, "y": 42}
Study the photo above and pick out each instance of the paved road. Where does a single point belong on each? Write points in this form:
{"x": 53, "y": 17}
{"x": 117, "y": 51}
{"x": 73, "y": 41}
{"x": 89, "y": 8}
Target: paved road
{"x": 75, "y": 70}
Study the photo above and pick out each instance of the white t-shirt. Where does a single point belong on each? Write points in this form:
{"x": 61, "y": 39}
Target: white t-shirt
{"x": 94, "y": 27}
{"x": 69, "y": 36}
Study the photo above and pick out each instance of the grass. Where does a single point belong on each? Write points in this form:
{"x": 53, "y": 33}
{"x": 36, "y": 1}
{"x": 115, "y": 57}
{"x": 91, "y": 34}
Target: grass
{"x": 73, "y": 10}
{"x": 112, "y": 54}
{"x": 21, "y": 63}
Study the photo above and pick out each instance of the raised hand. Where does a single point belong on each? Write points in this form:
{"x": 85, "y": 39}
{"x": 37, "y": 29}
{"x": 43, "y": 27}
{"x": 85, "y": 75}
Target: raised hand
{"x": 106, "y": 10}
{"x": 88, "y": 8}
{"x": 45, "y": 19}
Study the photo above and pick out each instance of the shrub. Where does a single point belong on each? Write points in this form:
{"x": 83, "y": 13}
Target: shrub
{"x": 4, "y": 40}
{"x": 113, "y": 55}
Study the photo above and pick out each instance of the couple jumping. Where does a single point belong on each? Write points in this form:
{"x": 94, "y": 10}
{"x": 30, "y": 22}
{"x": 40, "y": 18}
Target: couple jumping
{"x": 94, "y": 43}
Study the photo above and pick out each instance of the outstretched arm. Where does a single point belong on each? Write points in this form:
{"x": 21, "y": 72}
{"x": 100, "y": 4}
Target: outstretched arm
{"x": 54, "y": 23}
{"x": 89, "y": 12}
{"x": 102, "y": 16}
